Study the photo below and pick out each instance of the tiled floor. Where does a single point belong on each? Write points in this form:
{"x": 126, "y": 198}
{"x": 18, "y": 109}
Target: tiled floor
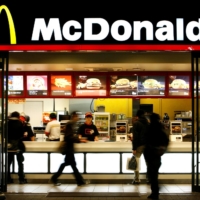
{"x": 40, "y": 191}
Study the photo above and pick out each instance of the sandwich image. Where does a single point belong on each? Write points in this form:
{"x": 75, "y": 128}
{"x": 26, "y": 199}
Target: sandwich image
{"x": 152, "y": 84}
{"x": 93, "y": 84}
{"x": 122, "y": 83}
{"x": 134, "y": 84}
{"x": 179, "y": 84}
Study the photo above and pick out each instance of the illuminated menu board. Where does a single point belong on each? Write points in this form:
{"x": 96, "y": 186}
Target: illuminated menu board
{"x": 15, "y": 85}
{"x": 151, "y": 85}
{"x": 87, "y": 85}
{"x": 61, "y": 85}
{"x": 179, "y": 85}
{"x": 195, "y": 85}
{"x": 123, "y": 85}
{"x": 37, "y": 85}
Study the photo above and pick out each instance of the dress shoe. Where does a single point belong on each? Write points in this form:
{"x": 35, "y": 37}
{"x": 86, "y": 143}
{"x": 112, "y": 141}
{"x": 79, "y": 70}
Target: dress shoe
{"x": 83, "y": 183}
{"x": 55, "y": 181}
{"x": 22, "y": 181}
{"x": 134, "y": 182}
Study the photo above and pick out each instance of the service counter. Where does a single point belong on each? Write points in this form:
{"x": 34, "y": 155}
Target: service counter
{"x": 104, "y": 160}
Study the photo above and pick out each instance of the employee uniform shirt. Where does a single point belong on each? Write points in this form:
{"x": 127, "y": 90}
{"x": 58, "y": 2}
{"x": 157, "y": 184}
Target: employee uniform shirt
{"x": 89, "y": 131}
{"x": 53, "y": 128}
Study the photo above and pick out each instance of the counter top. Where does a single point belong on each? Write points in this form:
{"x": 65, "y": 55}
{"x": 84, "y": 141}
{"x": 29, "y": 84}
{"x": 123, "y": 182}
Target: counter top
{"x": 100, "y": 146}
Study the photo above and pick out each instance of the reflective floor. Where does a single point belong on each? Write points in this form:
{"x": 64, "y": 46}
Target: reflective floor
{"x": 41, "y": 191}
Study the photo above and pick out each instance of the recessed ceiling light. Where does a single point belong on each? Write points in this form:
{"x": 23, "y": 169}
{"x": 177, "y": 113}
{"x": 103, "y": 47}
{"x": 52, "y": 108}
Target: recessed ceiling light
{"x": 68, "y": 69}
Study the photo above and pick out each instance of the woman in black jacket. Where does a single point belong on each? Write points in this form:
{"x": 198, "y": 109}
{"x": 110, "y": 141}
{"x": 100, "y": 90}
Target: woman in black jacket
{"x": 156, "y": 144}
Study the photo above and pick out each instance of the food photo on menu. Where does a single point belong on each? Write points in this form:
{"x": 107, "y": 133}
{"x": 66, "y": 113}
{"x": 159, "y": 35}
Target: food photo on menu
{"x": 123, "y": 85}
{"x": 90, "y": 85}
{"x": 179, "y": 85}
{"x": 61, "y": 85}
{"x": 151, "y": 85}
{"x": 15, "y": 85}
{"x": 37, "y": 85}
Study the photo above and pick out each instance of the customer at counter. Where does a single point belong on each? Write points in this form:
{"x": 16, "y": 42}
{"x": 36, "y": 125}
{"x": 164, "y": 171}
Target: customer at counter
{"x": 156, "y": 145}
{"x": 88, "y": 129}
{"x": 69, "y": 140}
{"x": 52, "y": 130}
{"x": 16, "y": 146}
{"x": 28, "y": 132}
{"x": 140, "y": 127}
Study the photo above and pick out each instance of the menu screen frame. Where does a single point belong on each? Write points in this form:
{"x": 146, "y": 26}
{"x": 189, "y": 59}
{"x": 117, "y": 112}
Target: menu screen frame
{"x": 15, "y": 85}
{"x": 123, "y": 85}
{"x": 151, "y": 85}
{"x": 37, "y": 85}
{"x": 179, "y": 85}
{"x": 61, "y": 85}
{"x": 90, "y": 85}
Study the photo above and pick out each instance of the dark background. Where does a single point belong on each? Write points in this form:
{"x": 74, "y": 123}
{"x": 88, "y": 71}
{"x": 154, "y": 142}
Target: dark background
{"x": 25, "y": 12}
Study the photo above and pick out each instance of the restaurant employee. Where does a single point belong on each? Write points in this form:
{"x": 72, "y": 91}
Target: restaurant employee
{"x": 52, "y": 130}
{"x": 88, "y": 129}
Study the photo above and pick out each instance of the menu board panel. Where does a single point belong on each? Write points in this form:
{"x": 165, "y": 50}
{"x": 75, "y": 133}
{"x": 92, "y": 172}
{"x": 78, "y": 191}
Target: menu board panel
{"x": 151, "y": 85}
{"x": 195, "y": 85}
{"x": 61, "y": 85}
{"x": 179, "y": 85}
{"x": 37, "y": 85}
{"x": 15, "y": 85}
{"x": 90, "y": 85}
{"x": 123, "y": 85}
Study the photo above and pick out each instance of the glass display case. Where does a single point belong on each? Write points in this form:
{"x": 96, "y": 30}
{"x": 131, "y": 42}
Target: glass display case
{"x": 102, "y": 122}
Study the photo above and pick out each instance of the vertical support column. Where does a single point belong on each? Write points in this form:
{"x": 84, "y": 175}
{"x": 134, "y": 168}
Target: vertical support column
{"x": 4, "y": 60}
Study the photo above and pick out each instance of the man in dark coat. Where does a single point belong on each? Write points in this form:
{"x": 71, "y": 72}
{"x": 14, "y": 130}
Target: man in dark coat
{"x": 69, "y": 140}
{"x": 138, "y": 142}
{"x": 156, "y": 144}
{"x": 15, "y": 136}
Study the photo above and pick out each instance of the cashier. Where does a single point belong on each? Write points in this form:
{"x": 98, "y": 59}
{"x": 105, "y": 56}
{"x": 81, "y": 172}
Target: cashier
{"x": 52, "y": 130}
{"x": 88, "y": 129}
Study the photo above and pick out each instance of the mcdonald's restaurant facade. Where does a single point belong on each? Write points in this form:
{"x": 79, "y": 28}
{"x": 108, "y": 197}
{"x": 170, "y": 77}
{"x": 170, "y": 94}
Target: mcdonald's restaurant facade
{"x": 109, "y": 35}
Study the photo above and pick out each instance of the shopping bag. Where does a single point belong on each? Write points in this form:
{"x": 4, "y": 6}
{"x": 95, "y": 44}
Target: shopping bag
{"x": 131, "y": 163}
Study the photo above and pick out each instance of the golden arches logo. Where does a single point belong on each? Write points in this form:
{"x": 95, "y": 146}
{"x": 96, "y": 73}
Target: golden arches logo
{"x": 11, "y": 24}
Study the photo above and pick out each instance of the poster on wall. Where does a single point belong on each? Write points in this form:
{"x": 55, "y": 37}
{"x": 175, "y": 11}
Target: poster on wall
{"x": 15, "y": 85}
{"x": 179, "y": 85}
{"x": 151, "y": 85}
{"x": 123, "y": 85}
{"x": 37, "y": 85}
{"x": 90, "y": 85}
{"x": 61, "y": 85}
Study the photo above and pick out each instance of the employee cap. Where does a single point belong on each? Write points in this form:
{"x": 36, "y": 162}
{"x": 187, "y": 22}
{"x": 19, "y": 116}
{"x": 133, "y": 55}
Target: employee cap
{"x": 88, "y": 114}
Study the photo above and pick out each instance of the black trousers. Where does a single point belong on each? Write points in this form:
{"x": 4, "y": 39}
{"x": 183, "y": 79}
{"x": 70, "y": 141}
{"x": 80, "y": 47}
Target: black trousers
{"x": 20, "y": 160}
{"x": 153, "y": 162}
{"x": 69, "y": 160}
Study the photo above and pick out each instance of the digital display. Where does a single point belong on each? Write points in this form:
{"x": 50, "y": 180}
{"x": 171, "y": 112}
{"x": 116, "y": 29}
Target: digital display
{"x": 15, "y": 85}
{"x": 90, "y": 85}
{"x": 61, "y": 85}
{"x": 195, "y": 85}
{"x": 151, "y": 85}
{"x": 37, "y": 85}
{"x": 123, "y": 85}
{"x": 179, "y": 85}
